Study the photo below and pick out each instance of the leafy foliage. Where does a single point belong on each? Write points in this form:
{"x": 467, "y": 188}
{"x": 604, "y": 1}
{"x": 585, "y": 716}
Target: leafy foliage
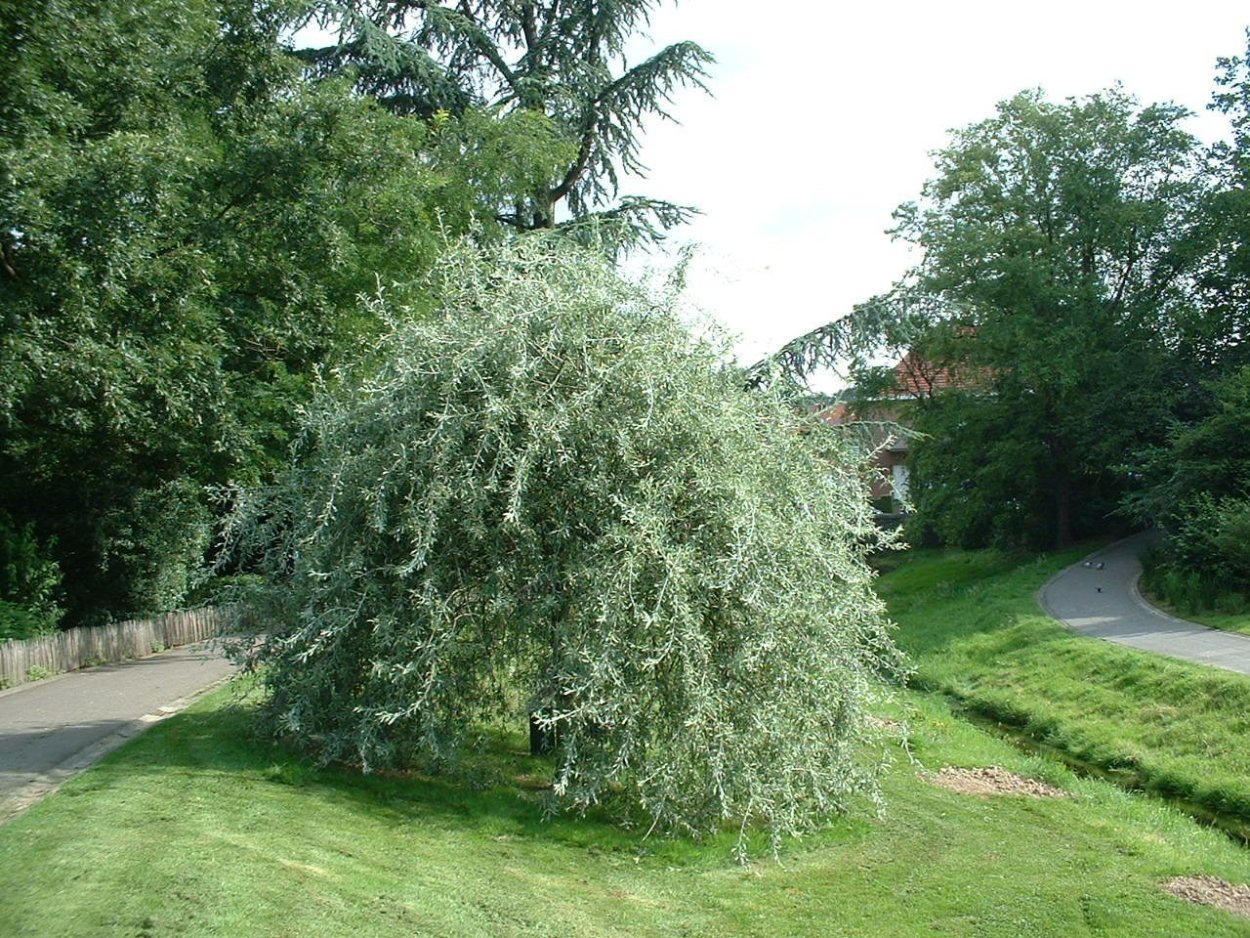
{"x": 186, "y": 222}
{"x": 1063, "y": 256}
{"x": 1056, "y": 272}
{"x": 30, "y": 582}
{"x": 1195, "y": 485}
{"x": 157, "y": 544}
{"x": 552, "y": 498}
{"x": 564, "y": 62}
{"x": 1052, "y": 226}
{"x": 1216, "y": 337}
{"x": 1196, "y": 489}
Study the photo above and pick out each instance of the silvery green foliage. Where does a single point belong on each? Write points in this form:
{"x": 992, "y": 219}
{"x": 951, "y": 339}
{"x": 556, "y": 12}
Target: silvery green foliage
{"x": 553, "y": 496}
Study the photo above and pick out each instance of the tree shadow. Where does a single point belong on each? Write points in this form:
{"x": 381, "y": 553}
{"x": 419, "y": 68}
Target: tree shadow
{"x": 26, "y": 753}
{"x": 500, "y": 790}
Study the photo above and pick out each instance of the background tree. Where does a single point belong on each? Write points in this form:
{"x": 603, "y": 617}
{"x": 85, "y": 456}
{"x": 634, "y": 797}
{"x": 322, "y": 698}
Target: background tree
{"x": 551, "y": 497}
{"x": 1216, "y": 338}
{"x": 562, "y": 60}
{"x": 186, "y": 222}
{"x": 1195, "y": 487}
{"x": 1049, "y": 234}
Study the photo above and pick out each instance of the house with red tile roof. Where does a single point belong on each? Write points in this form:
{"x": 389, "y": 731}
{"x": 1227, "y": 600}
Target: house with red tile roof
{"x": 884, "y": 418}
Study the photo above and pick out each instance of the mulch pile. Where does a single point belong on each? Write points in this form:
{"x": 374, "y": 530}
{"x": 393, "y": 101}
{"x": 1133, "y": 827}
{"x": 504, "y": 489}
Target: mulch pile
{"x": 1211, "y": 890}
{"x": 993, "y": 781}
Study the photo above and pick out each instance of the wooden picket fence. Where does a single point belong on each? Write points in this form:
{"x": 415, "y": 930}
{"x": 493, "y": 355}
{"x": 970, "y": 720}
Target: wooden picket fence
{"x": 108, "y": 644}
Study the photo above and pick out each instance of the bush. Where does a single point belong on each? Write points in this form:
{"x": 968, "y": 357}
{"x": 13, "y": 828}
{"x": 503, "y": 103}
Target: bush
{"x": 1197, "y": 491}
{"x": 30, "y": 582}
{"x": 19, "y": 622}
{"x": 156, "y": 546}
{"x": 1203, "y": 563}
{"x": 553, "y": 499}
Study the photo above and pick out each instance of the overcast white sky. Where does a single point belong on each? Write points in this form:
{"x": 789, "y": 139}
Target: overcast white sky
{"x": 824, "y": 115}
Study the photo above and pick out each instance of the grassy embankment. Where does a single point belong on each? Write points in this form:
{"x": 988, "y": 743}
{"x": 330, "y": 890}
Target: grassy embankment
{"x": 1238, "y": 622}
{"x": 196, "y": 829}
{"x": 972, "y": 625}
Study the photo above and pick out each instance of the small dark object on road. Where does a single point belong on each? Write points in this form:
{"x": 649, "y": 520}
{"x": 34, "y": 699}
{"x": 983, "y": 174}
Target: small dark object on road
{"x": 1100, "y": 589}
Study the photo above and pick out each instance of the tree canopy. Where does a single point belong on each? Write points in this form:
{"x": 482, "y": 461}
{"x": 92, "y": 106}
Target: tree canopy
{"x": 1083, "y": 295}
{"x": 1051, "y": 228}
{"x": 565, "y": 61}
{"x": 186, "y": 222}
{"x": 551, "y": 497}
{"x": 1195, "y": 485}
{"x": 1056, "y": 272}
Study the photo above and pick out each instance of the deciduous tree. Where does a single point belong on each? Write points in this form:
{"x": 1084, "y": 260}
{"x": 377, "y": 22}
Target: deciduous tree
{"x": 1050, "y": 235}
{"x": 186, "y": 222}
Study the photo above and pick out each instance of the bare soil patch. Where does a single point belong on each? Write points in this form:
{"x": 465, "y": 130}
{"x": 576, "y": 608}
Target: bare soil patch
{"x": 993, "y": 781}
{"x": 1211, "y": 890}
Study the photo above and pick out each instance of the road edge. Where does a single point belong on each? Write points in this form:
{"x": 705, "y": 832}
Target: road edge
{"x": 46, "y": 783}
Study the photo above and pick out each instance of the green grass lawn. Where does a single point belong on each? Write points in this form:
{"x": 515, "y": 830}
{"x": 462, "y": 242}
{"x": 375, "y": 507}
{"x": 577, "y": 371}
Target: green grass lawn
{"x": 971, "y": 623}
{"x": 196, "y": 829}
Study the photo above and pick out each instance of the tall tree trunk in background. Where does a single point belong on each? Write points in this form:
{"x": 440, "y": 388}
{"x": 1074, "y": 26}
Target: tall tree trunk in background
{"x": 1058, "y": 453}
{"x": 1063, "y": 512}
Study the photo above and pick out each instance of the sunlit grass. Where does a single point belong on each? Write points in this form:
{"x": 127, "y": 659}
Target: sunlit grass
{"x": 196, "y": 828}
{"x": 1225, "y": 621}
{"x": 972, "y": 625}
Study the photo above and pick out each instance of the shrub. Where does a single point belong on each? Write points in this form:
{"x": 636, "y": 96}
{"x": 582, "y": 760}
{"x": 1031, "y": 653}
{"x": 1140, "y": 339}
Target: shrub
{"x": 156, "y": 546}
{"x": 19, "y": 622}
{"x": 1203, "y": 563}
{"x": 30, "y": 582}
{"x": 552, "y": 498}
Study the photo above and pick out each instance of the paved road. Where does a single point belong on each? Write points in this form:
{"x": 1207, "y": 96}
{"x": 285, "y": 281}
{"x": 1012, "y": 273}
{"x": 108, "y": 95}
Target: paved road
{"x": 1099, "y": 597}
{"x": 51, "y": 729}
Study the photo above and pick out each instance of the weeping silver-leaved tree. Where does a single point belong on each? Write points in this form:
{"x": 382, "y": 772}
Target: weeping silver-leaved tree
{"x": 553, "y": 499}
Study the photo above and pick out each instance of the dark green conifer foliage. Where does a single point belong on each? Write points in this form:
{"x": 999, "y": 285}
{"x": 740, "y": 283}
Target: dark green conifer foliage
{"x": 564, "y": 59}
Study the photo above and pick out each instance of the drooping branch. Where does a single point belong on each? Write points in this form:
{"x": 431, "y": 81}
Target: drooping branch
{"x": 634, "y": 220}
{"x": 888, "y": 323}
{"x": 609, "y": 122}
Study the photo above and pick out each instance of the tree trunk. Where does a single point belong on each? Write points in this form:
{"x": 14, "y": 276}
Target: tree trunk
{"x": 1063, "y": 492}
{"x": 1063, "y": 512}
{"x": 542, "y": 739}
{"x": 545, "y": 739}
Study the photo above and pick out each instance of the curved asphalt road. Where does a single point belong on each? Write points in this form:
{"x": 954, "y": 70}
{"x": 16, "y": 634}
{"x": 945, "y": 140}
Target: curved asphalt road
{"x": 1099, "y": 597}
{"x": 51, "y": 729}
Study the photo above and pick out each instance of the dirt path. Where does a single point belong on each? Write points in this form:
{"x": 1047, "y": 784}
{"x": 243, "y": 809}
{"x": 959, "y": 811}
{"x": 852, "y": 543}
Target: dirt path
{"x": 51, "y": 729}
{"x": 1099, "y": 597}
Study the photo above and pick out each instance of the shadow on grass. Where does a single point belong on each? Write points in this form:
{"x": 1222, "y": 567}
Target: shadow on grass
{"x": 500, "y": 792}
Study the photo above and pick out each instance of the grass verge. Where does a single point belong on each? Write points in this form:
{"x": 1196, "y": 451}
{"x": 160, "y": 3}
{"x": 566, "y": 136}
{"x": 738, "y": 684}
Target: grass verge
{"x": 196, "y": 829}
{"x": 972, "y": 625}
{"x": 1226, "y": 622}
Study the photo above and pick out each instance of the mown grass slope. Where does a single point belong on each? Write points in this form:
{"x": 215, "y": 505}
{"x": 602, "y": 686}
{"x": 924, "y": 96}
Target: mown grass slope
{"x": 972, "y": 625}
{"x": 197, "y": 829}
{"x": 1225, "y": 621}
